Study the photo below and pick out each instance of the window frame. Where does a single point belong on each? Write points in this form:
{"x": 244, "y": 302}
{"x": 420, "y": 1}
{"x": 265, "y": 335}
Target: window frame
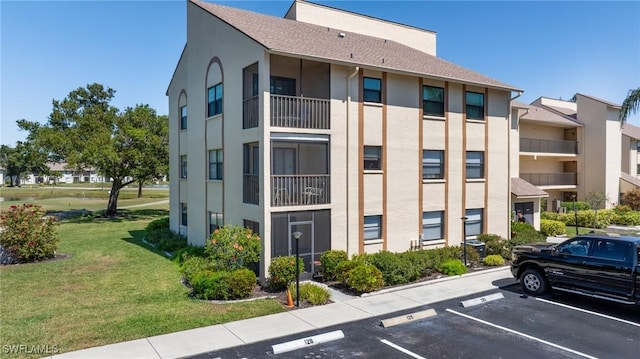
{"x": 214, "y": 100}
{"x": 375, "y": 226}
{"x": 373, "y": 95}
{"x": 440, "y": 165}
{"x": 183, "y": 117}
{"x": 471, "y": 166}
{"x": 472, "y": 222}
{"x": 216, "y": 165}
{"x": 372, "y": 158}
{"x": 427, "y": 226}
{"x": 426, "y": 101}
{"x": 183, "y": 166}
{"x": 469, "y": 114}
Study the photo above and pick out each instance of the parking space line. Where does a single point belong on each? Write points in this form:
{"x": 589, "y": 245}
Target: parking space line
{"x": 399, "y": 348}
{"x": 522, "y": 334}
{"x": 589, "y": 312}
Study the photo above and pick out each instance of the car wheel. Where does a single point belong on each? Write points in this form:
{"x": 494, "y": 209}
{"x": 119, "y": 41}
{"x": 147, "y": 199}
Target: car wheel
{"x": 533, "y": 282}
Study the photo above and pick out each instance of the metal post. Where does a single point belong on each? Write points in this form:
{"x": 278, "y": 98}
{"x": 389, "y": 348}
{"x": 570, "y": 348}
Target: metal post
{"x": 297, "y": 236}
{"x": 464, "y": 239}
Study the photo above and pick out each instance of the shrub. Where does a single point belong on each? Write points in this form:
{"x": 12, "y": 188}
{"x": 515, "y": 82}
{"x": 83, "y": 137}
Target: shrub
{"x": 232, "y": 247}
{"x": 161, "y": 236}
{"x": 453, "y": 267}
{"x": 395, "y": 268}
{"x": 26, "y": 236}
{"x": 623, "y": 208}
{"x": 211, "y": 285}
{"x": 631, "y": 218}
{"x": 552, "y": 228}
{"x": 579, "y": 205}
{"x": 241, "y": 283}
{"x": 632, "y": 199}
{"x": 330, "y": 260}
{"x": 365, "y": 278}
{"x": 422, "y": 259}
{"x": 187, "y": 252}
{"x": 313, "y": 294}
{"x": 494, "y": 244}
{"x": 282, "y": 271}
{"x": 493, "y": 260}
{"x": 518, "y": 227}
{"x": 343, "y": 268}
{"x": 193, "y": 266}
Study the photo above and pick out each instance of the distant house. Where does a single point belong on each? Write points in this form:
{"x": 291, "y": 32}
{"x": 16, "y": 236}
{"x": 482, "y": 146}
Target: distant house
{"x": 60, "y": 172}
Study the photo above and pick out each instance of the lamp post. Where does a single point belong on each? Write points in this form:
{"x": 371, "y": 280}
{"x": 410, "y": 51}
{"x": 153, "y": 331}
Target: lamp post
{"x": 297, "y": 236}
{"x": 464, "y": 239}
{"x": 575, "y": 212}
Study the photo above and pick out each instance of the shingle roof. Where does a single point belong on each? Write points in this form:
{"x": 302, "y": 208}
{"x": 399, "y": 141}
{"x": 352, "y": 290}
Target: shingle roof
{"x": 289, "y": 37}
{"x": 631, "y": 130}
{"x": 541, "y": 114}
{"x": 521, "y": 188}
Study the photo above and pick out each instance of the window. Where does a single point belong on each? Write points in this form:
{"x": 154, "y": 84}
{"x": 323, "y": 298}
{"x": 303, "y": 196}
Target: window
{"x": 372, "y": 227}
{"x": 475, "y": 164}
{"x": 183, "y": 214}
{"x": 215, "y": 164}
{"x": 214, "y": 100}
{"x": 432, "y": 225}
{"x": 215, "y": 221}
{"x": 576, "y": 247}
{"x": 251, "y": 183}
{"x": 183, "y": 166}
{"x": 183, "y": 117}
{"x": 433, "y": 101}
{"x": 253, "y": 226}
{"x": 372, "y": 157}
{"x": 607, "y": 249}
{"x": 637, "y": 169}
{"x": 432, "y": 164}
{"x": 283, "y": 86}
{"x": 473, "y": 224}
{"x": 372, "y": 90}
{"x": 475, "y": 105}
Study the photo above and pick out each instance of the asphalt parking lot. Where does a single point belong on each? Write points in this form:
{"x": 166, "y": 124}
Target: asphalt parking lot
{"x": 510, "y": 326}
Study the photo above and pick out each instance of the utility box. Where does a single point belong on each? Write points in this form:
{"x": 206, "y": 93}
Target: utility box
{"x": 478, "y": 246}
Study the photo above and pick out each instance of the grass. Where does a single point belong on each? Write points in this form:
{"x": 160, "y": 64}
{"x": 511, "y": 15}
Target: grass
{"x": 113, "y": 288}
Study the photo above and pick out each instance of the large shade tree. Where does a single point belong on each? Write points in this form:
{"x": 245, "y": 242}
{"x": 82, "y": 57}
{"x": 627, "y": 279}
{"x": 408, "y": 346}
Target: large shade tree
{"x": 630, "y": 105}
{"x": 86, "y": 131}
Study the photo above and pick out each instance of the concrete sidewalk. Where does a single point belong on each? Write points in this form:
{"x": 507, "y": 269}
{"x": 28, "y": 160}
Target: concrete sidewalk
{"x": 344, "y": 309}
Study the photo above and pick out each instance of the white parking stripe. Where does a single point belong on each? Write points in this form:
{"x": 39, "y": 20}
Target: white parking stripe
{"x": 590, "y": 312}
{"x": 399, "y": 348}
{"x": 523, "y": 335}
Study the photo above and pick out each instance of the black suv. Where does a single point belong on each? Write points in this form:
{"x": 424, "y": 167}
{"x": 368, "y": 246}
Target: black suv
{"x": 599, "y": 266}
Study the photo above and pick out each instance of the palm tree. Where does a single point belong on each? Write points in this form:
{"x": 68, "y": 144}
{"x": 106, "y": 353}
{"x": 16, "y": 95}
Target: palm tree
{"x": 630, "y": 105}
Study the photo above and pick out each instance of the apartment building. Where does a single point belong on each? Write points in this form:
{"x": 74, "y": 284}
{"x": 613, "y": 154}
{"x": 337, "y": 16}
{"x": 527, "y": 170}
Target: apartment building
{"x": 345, "y": 128}
{"x": 571, "y": 148}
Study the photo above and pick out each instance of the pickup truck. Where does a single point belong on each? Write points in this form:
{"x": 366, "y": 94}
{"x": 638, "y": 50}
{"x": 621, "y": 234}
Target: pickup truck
{"x": 599, "y": 266}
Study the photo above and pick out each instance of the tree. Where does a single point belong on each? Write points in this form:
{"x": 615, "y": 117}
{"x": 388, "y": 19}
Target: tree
{"x": 87, "y": 132}
{"x": 22, "y": 159}
{"x": 596, "y": 199}
{"x": 630, "y": 105}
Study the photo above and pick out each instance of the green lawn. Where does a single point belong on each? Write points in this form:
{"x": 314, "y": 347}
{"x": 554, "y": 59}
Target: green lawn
{"x": 113, "y": 288}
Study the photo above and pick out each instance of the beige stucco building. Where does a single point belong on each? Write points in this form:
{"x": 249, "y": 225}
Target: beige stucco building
{"x": 571, "y": 148}
{"x": 340, "y": 126}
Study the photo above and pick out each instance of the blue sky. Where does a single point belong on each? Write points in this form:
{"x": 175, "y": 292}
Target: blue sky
{"x": 552, "y": 49}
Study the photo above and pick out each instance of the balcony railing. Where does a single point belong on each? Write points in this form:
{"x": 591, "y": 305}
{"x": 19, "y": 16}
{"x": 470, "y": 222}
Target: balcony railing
{"x": 551, "y": 179}
{"x": 250, "y": 112}
{"x": 548, "y": 146}
{"x": 299, "y": 190}
{"x": 300, "y": 112}
{"x": 251, "y": 189}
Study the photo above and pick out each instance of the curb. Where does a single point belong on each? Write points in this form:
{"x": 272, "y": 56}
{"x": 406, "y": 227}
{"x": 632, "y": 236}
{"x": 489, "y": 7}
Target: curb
{"x": 439, "y": 280}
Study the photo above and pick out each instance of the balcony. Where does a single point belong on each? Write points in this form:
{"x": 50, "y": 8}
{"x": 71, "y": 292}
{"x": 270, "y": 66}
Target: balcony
{"x": 251, "y": 189}
{"x": 250, "y": 112}
{"x": 548, "y": 146}
{"x": 299, "y": 190}
{"x": 300, "y": 112}
{"x": 551, "y": 179}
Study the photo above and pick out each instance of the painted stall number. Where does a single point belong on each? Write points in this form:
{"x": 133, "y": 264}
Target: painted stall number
{"x": 308, "y": 341}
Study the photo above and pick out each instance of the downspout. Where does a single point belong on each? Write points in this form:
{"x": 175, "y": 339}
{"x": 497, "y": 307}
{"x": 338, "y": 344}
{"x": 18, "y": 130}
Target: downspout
{"x": 509, "y": 163}
{"x": 355, "y": 72}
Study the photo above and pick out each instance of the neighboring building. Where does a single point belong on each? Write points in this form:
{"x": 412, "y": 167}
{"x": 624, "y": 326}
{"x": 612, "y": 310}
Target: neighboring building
{"x": 569, "y": 149}
{"x": 59, "y": 172}
{"x": 344, "y": 127}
